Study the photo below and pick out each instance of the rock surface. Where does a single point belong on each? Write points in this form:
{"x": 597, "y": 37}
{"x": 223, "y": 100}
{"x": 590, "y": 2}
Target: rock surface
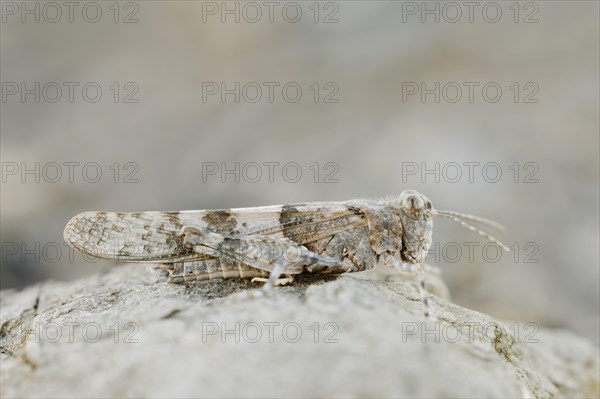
{"x": 123, "y": 334}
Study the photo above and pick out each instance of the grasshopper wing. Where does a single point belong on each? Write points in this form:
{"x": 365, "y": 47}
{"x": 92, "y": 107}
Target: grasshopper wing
{"x": 156, "y": 236}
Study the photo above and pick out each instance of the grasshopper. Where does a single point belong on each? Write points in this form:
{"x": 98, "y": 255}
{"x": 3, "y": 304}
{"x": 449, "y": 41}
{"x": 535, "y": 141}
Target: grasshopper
{"x": 265, "y": 243}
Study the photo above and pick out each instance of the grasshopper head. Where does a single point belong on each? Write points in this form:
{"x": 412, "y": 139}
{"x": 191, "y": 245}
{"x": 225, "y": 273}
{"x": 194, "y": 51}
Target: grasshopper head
{"x": 416, "y": 215}
{"x": 417, "y": 226}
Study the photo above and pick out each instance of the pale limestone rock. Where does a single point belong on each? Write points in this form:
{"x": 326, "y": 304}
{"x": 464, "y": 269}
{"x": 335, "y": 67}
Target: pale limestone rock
{"x": 377, "y": 343}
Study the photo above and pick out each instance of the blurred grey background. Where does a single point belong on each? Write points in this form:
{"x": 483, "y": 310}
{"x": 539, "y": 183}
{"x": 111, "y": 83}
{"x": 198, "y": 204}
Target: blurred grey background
{"x": 171, "y": 52}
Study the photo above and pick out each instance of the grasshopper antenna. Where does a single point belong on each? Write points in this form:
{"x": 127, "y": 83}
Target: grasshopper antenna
{"x": 454, "y": 216}
{"x": 473, "y": 218}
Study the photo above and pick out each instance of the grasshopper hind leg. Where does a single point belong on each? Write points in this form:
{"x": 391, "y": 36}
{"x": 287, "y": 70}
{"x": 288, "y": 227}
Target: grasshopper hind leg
{"x": 308, "y": 260}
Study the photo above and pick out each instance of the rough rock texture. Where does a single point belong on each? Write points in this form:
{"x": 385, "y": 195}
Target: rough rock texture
{"x": 372, "y": 339}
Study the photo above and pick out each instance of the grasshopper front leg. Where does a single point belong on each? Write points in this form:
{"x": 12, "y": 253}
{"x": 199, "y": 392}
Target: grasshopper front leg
{"x": 417, "y": 269}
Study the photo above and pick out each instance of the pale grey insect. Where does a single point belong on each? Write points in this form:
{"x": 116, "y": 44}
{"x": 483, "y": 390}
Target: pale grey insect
{"x": 264, "y": 243}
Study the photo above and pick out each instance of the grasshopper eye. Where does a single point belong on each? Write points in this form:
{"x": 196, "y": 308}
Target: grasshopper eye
{"x": 428, "y": 205}
{"x": 413, "y": 203}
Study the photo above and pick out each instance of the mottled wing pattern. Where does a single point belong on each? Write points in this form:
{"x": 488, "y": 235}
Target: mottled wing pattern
{"x": 154, "y": 236}
{"x": 131, "y": 237}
